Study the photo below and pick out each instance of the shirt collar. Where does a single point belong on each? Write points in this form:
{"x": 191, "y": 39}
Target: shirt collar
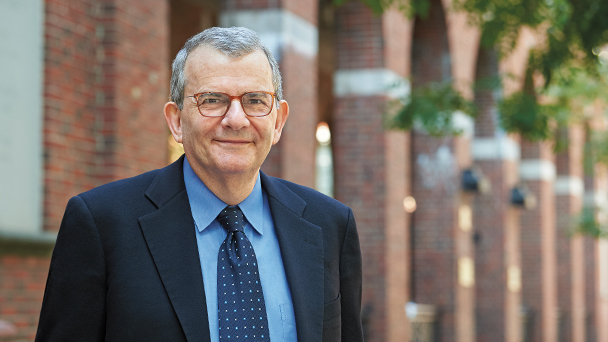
{"x": 205, "y": 205}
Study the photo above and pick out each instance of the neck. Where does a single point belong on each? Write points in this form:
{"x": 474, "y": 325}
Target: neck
{"x": 232, "y": 189}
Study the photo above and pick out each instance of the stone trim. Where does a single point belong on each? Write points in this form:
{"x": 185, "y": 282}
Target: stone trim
{"x": 370, "y": 82}
{"x": 537, "y": 169}
{"x": 277, "y": 28}
{"x": 35, "y": 244}
{"x": 596, "y": 199}
{"x": 464, "y": 123}
{"x": 569, "y": 186}
{"x": 497, "y": 148}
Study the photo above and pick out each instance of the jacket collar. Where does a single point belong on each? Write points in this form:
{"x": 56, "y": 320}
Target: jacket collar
{"x": 301, "y": 244}
{"x": 170, "y": 234}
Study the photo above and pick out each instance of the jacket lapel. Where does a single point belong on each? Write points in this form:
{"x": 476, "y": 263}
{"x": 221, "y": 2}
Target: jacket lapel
{"x": 301, "y": 244}
{"x": 170, "y": 235}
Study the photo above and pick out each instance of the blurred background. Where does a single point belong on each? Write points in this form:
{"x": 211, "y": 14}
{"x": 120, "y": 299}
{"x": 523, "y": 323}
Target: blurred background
{"x": 467, "y": 136}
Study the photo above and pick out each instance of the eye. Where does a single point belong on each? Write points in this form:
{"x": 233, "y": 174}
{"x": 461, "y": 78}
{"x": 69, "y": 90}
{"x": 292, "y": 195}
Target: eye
{"x": 211, "y": 99}
{"x": 257, "y": 98}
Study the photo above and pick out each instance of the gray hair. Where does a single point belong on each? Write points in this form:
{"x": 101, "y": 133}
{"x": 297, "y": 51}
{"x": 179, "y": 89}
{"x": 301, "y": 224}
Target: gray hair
{"x": 235, "y": 42}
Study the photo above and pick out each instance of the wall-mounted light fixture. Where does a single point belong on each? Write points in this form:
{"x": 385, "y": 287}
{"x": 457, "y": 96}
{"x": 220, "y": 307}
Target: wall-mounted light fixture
{"x": 474, "y": 181}
{"x": 522, "y": 197}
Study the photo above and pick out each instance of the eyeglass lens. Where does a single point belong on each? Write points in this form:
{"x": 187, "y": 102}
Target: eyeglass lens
{"x": 216, "y": 104}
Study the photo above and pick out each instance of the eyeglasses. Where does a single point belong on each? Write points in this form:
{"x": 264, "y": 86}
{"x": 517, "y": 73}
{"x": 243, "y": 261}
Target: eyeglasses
{"x": 257, "y": 103}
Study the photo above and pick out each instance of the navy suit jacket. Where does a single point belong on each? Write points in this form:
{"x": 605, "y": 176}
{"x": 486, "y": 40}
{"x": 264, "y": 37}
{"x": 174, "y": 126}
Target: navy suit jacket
{"x": 126, "y": 266}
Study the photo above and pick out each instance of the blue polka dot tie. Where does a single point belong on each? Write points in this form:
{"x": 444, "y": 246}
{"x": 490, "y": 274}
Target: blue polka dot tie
{"x": 241, "y": 307}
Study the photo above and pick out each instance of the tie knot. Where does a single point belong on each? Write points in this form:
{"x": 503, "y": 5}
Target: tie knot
{"x": 231, "y": 218}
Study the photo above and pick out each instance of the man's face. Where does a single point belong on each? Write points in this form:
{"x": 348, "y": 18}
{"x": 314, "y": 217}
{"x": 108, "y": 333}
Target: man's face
{"x": 234, "y": 143}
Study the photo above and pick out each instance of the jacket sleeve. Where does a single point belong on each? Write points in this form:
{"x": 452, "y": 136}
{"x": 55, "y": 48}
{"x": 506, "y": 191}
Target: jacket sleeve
{"x": 73, "y": 308}
{"x": 350, "y": 284}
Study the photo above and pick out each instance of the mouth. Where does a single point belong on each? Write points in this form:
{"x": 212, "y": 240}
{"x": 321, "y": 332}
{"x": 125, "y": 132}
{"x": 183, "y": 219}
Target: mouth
{"x": 232, "y": 141}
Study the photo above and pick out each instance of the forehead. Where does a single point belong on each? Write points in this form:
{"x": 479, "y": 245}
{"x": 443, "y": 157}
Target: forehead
{"x": 206, "y": 65}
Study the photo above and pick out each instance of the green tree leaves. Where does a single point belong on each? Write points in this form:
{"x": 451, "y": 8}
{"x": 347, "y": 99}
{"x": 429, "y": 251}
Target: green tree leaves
{"x": 433, "y": 107}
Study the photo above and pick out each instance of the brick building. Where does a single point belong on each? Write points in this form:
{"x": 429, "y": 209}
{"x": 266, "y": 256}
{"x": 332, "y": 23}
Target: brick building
{"x": 83, "y": 86}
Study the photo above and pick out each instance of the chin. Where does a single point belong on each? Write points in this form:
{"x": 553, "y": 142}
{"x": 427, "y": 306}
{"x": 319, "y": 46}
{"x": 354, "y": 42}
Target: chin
{"x": 235, "y": 167}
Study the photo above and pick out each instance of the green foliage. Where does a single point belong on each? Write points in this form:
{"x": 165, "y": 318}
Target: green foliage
{"x": 596, "y": 150}
{"x": 575, "y": 29}
{"x": 572, "y": 58}
{"x": 573, "y": 89}
{"x": 521, "y": 113}
{"x": 432, "y": 106}
{"x": 587, "y": 224}
{"x": 576, "y": 87}
{"x": 501, "y": 20}
{"x": 568, "y": 61}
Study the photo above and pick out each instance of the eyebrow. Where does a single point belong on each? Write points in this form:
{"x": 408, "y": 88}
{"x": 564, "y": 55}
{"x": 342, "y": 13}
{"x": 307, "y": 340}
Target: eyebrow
{"x": 258, "y": 93}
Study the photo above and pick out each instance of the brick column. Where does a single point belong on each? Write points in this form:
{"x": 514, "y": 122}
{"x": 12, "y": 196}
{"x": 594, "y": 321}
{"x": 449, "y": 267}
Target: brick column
{"x": 598, "y": 259}
{"x": 569, "y": 190}
{"x": 497, "y": 253}
{"x": 603, "y": 289}
{"x": 591, "y": 317}
{"x": 104, "y": 91}
{"x": 289, "y": 30}
{"x": 443, "y": 272}
{"x": 593, "y": 198}
{"x": 539, "y": 277}
{"x": 133, "y": 87}
{"x": 594, "y": 250}
{"x": 71, "y": 134}
{"x": 596, "y": 187}
{"x": 371, "y": 164}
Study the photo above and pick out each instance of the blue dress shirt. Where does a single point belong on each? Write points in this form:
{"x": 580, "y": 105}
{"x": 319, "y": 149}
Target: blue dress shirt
{"x": 260, "y": 231}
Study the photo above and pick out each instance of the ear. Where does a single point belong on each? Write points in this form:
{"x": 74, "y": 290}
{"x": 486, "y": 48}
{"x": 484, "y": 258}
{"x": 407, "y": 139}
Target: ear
{"x": 174, "y": 120}
{"x": 282, "y": 114}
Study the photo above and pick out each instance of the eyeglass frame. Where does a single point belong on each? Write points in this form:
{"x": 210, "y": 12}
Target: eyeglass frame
{"x": 231, "y": 98}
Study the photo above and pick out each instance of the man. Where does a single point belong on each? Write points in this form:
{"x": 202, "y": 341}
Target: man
{"x": 209, "y": 247}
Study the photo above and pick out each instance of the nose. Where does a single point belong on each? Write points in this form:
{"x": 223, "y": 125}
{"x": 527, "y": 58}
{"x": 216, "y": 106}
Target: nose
{"x": 235, "y": 117}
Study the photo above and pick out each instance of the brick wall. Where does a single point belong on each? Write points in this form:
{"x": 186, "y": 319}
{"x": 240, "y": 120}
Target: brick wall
{"x": 591, "y": 297}
{"x": 371, "y": 164}
{"x": 590, "y": 269}
{"x": 435, "y": 186}
{"x": 134, "y": 87}
{"x": 489, "y": 216}
{"x": 397, "y": 34}
{"x": 103, "y": 97}
{"x": 73, "y": 73}
{"x": 434, "y": 277}
{"x": 359, "y": 146}
{"x": 497, "y": 305}
{"x": 298, "y": 141}
{"x": 397, "y": 227}
{"x": 569, "y": 190}
{"x": 539, "y": 278}
{"x": 359, "y": 42}
{"x": 249, "y": 4}
{"x": 104, "y": 93}
{"x": 22, "y": 281}
{"x": 496, "y": 221}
